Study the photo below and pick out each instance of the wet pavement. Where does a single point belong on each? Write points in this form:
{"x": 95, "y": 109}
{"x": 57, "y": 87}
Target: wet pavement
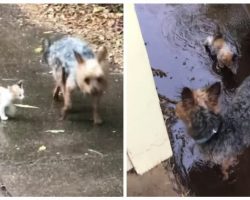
{"x": 174, "y": 36}
{"x": 84, "y": 160}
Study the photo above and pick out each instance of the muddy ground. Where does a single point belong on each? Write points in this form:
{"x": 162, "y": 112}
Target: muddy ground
{"x": 84, "y": 160}
{"x": 156, "y": 182}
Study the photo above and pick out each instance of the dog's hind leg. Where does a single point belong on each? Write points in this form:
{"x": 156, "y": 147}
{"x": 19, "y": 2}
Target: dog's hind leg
{"x": 67, "y": 89}
{"x": 56, "y": 93}
{"x": 60, "y": 77}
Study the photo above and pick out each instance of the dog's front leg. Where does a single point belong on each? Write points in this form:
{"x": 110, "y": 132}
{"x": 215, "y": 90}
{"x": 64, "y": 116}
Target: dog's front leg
{"x": 96, "y": 115}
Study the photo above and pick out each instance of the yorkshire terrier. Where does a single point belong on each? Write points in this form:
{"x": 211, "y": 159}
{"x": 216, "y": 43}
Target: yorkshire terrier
{"x": 222, "y": 51}
{"x": 222, "y": 135}
{"x": 75, "y": 65}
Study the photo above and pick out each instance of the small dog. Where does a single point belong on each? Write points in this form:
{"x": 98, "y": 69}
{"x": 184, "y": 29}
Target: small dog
{"x": 74, "y": 64}
{"x": 222, "y": 52}
{"x": 222, "y": 135}
{"x": 7, "y": 96}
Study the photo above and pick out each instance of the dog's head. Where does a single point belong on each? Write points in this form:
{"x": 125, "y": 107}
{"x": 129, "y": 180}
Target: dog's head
{"x": 199, "y": 109}
{"x": 17, "y": 90}
{"x": 90, "y": 74}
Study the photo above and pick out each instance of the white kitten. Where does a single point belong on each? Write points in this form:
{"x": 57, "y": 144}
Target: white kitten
{"x": 7, "y": 96}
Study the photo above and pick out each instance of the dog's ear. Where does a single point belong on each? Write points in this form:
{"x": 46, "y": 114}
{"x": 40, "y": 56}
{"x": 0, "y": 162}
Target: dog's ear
{"x": 20, "y": 83}
{"x": 102, "y": 53}
{"x": 235, "y": 57}
{"x": 79, "y": 58}
{"x": 218, "y": 32}
{"x": 187, "y": 97}
{"x": 214, "y": 92}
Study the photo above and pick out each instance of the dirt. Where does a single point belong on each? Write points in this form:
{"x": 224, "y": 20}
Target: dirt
{"x": 99, "y": 24}
{"x": 155, "y": 182}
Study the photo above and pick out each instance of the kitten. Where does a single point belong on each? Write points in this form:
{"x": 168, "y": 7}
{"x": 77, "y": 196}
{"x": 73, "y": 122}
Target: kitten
{"x": 75, "y": 65}
{"x": 7, "y": 96}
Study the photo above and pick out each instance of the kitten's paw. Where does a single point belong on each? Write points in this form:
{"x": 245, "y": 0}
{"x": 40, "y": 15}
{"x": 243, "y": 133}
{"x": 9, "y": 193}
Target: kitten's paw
{"x": 4, "y": 118}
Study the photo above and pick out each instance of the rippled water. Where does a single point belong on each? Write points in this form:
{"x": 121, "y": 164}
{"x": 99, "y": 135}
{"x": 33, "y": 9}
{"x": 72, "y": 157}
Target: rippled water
{"x": 174, "y": 36}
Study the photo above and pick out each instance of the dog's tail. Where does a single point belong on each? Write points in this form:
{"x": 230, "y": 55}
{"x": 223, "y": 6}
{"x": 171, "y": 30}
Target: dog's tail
{"x": 46, "y": 43}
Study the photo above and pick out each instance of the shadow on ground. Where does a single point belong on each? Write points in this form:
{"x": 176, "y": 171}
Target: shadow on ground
{"x": 85, "y": 160}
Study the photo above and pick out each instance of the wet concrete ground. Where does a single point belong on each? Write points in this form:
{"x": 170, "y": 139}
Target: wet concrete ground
{"x": 173, "y": 36}
{"x": 85, "y": 160}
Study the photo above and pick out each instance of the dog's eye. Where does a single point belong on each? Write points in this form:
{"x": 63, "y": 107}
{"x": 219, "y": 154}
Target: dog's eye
{"x": 99, "y": 79}
{"x": 87, "y": 80}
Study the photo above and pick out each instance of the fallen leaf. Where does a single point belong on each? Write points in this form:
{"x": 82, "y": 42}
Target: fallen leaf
{"x": 42, "y": 148}
{"x": 39, "y": 50}
{"x": 55, "y": 131}
{"x": 9, "y": 79}
{"x": 98, "y": 9}
{"x": 47, "y": 32}
{"x": 97, "y": 152}
{"x": 25, "y": 106}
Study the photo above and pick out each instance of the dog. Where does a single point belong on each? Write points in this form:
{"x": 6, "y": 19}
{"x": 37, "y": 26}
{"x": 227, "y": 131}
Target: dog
{"x": 222, "y": 51}
{"x": 220, "y": 134}
{"x": 75, "y": 65}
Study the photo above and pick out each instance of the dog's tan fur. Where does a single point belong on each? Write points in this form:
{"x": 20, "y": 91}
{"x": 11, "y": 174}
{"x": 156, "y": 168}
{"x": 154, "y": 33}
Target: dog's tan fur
{"x": 205, "y": 98}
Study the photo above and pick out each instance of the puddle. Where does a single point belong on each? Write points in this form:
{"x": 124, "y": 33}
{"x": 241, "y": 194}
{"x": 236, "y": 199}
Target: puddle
{"x": 174, "y": 35}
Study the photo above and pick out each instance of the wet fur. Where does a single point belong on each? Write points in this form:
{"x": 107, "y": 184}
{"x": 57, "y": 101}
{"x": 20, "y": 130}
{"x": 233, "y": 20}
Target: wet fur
{"x": 222, "y": 52}
{"x": 75, "y": 65}
{"x": 232, "y": 124}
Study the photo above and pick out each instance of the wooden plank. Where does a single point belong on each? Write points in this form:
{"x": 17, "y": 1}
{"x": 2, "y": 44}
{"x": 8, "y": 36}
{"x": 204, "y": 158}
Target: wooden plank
{"x": 147, "y": 139}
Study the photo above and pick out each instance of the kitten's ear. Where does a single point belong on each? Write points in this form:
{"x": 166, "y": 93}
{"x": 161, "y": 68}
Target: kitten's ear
{"x": 102, "y": 53}
{"x": 214, "y": 92}
{"x": 187, "y": 97}
{"x": 20, "y": 83}
{"x": 79, "y": 58}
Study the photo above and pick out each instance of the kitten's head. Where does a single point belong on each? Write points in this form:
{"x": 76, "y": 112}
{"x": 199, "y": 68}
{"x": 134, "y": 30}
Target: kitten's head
{"x": 228, "y": 58}
{"x": 17, "y": 90}
{"x": 199, "y": 109}
{"x": 90, "y": 74}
